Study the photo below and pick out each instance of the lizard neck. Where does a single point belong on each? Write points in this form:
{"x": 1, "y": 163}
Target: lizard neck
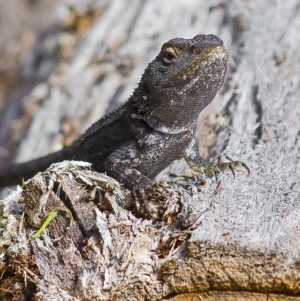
{"x": 159, "y": 110}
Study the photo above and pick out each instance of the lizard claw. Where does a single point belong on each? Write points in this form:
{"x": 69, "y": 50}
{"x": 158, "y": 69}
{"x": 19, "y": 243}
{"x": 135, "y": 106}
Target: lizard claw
{"x": 138, "y": 196}
{"x": 158, "y": 201}
{"x": 224, "y": 163}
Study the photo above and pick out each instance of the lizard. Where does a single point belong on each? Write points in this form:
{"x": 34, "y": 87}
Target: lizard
{"x": 156, "y": 125}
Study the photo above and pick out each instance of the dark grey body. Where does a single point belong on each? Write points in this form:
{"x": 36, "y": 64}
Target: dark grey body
{"x": 155, "y": 126}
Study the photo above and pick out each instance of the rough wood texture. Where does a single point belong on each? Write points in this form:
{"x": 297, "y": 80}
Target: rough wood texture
{"x": 242, "y": 238}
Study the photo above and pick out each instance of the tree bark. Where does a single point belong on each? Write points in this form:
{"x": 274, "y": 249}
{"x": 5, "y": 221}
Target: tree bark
{"x": 237, "y": 239}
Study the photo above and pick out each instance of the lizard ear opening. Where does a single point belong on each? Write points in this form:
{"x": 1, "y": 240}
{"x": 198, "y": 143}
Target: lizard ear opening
{"x": 146, "y": 88}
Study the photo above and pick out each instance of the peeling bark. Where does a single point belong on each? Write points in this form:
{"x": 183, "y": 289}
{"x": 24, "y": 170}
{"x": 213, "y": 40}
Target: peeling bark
{"x": 233, "y": 240}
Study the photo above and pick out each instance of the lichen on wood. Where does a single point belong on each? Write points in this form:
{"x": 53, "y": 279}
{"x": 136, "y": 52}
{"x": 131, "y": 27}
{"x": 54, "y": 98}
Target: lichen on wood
{"x": 233, "y": 240}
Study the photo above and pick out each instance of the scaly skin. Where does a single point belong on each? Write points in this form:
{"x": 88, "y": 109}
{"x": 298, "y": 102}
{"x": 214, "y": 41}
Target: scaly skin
{"x": 156, "y": 125}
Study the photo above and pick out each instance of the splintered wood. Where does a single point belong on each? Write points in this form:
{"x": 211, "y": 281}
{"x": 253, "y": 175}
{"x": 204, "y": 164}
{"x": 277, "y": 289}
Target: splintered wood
{"x": 233, "y": 240}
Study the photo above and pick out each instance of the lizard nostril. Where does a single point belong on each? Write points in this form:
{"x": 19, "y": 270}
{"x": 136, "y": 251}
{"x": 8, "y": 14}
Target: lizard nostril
{"x": 195, "y": 50}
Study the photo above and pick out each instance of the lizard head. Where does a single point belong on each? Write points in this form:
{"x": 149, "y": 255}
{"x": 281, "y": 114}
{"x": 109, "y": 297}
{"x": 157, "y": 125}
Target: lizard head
{"x": 181, "y": 81}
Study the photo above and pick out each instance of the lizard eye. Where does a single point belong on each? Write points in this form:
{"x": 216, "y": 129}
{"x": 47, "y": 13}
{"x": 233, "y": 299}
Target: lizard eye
{"x": 169, "y": 55}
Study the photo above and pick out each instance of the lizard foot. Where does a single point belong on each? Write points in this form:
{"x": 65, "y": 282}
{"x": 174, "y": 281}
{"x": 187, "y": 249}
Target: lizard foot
{"x": 224, "y": 163}
{"x": 160, "y": 201}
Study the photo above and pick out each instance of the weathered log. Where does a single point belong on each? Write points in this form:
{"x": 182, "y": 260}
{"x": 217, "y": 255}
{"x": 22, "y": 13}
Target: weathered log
{"x": 240, "y": 237}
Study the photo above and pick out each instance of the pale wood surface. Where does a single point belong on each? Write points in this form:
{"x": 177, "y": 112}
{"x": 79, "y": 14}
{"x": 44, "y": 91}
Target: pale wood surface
{"x": 246, "y": 234}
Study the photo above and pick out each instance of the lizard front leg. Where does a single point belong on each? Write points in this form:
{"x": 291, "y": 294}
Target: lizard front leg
{"x": 122, "y": 165}
{"x": 135, "y": 165}
{"x": 199, "y": 164}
